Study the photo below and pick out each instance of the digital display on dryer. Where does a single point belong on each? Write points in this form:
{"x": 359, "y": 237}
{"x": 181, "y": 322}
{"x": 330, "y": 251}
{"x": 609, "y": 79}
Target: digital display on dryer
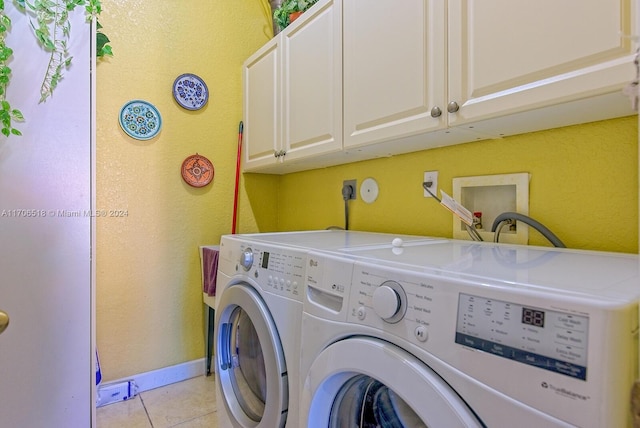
{"x": 265, "y": 260}
{"x": 547, "y": 339}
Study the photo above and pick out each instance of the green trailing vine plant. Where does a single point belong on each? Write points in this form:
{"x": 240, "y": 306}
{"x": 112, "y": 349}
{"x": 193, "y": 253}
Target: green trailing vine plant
{"x": 52, "y": 30}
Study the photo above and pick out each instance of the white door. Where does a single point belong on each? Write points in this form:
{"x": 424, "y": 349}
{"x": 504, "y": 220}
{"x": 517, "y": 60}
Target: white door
{"x": 46, "y": 353}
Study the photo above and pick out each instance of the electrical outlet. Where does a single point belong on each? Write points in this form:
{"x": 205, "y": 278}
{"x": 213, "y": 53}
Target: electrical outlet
{"x": 353, "y": 184}
{"x": 431, "y": 176}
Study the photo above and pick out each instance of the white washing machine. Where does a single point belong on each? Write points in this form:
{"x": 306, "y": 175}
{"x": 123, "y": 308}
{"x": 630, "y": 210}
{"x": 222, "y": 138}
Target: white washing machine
{"x": 258, "y": 312}
{"x": 463, "y": 334}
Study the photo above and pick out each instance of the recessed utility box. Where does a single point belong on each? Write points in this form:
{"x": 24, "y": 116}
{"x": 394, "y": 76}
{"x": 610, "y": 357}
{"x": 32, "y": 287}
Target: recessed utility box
{"x": 492, "y": 195}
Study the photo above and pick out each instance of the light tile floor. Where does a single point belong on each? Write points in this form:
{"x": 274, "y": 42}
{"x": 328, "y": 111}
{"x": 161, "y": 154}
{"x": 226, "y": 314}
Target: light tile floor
{"x": 187, "y": 404}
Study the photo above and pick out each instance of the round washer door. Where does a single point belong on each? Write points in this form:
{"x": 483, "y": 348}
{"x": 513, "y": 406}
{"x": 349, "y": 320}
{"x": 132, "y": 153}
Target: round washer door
{"x": 366, "y": 382}
{"x": 250, "y": 362}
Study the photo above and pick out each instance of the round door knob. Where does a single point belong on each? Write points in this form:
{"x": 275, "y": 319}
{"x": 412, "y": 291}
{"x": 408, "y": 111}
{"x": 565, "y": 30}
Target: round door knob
{"x": 246, "y": 259}
{"x": 453, "y": 107}
{"x": 436, "y": 112}
{"x": 386, "y": 302}
{"x": 4, "y": 321}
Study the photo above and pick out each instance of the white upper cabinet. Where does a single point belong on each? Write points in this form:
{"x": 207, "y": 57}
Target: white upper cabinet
{"x": 262, "y": 127}
{"x": 359, "y": 79}
{"x": 395, "y": 78}
{"x": 506, "y": 57}
{"x": 394, "y": 72}
{"x": 312, "y": 82}
{"x": 298, "y": 112}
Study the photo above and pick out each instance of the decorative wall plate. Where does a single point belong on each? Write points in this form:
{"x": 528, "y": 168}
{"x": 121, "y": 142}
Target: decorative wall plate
{"x": 197, "y": 171}
{"x": 190, "y": 91}
{"x": 140, "y": 120}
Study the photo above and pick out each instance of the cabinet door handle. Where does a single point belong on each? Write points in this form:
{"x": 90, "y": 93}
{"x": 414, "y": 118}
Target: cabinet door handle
{"x": 276, "y": 154}
{"x": 436, "y": 112}
{"x": 453, "y": 107}
{"x": 4, "y": 321}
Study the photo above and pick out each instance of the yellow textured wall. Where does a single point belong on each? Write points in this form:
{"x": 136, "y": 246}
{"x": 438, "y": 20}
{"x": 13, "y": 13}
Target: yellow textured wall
{"x": 584, "y": 186}
{"x": 149, "y": 301}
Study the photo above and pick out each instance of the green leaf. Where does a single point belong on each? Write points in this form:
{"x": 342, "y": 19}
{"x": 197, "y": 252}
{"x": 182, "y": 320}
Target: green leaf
{"x": 105, "y": 51}
{"x": 101, "y": 39}
{"x": 14, "y": 131}
{"x": 5, "y": 105}
{"x": 17, "y": 115}
{"x": 6, "y": 131}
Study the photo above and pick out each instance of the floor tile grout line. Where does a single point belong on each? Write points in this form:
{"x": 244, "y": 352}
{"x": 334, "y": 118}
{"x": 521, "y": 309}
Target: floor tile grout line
{"x": 192, "y": 419}
{"x": 146, "y": 411}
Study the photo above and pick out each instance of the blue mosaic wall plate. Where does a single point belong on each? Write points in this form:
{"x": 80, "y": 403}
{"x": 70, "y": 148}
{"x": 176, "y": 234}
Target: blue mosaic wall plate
{"x": 190, "y": 91}
{"x": 140, "y": 120}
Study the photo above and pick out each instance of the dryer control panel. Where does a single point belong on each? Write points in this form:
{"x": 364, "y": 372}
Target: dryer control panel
{"x": 275, "y": 269}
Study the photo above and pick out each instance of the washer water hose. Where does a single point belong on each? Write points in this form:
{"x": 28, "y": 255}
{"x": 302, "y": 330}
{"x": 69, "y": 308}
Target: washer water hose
{"x": 501, "y": 220}
{"x": 504, "y": 217}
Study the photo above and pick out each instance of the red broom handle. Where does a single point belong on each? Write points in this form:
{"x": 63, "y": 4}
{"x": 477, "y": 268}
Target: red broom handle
{"x": 237, "y": 188}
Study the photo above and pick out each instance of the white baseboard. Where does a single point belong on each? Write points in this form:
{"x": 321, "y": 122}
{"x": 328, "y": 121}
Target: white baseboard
{"x": 167, "y": 375}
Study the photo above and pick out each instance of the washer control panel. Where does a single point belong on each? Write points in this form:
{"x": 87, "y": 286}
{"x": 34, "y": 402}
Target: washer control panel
{"x": 398, "y": 303}
{"x": 547, "y": 339}
{"x": 439, "y": 313}
{"x": 389, "y": 301}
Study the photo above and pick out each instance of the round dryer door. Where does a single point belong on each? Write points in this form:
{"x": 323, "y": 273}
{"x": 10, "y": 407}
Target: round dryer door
{"x": 250, "y": 361}
{"x": 366, "y": 382}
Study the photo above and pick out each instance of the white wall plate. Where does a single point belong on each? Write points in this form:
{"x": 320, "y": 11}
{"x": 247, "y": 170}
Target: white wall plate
{"x": 369, "y": 190}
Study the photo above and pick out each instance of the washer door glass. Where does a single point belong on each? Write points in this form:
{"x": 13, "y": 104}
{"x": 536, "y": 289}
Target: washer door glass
{"x": 249, "y": 378}
{"x": 365, "y": 382}
{"x": 367, "y": 403}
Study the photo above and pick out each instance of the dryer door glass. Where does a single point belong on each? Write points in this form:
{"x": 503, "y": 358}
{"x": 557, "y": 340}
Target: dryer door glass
{"x": 366, "y": 403}
{"x": 249, "y": 377}
{"x": 251, "y": 371}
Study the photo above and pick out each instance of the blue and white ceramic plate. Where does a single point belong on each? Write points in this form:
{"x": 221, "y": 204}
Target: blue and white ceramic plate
{"x": 190, "y": 91}
{"x": 140, "y": 120}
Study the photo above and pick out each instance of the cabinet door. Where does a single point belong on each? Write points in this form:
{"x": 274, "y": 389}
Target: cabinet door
{"x": 261, "y": 81}
{"x": 510, "y": 56}
{"x": 394, "y": 69}
{"x": 312, "y": 82}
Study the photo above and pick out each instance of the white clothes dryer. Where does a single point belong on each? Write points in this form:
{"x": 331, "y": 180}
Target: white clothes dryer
{"x": 256, "y": 333}
{"x": 464, "y": 334}
{"x": 258, "y": 312}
